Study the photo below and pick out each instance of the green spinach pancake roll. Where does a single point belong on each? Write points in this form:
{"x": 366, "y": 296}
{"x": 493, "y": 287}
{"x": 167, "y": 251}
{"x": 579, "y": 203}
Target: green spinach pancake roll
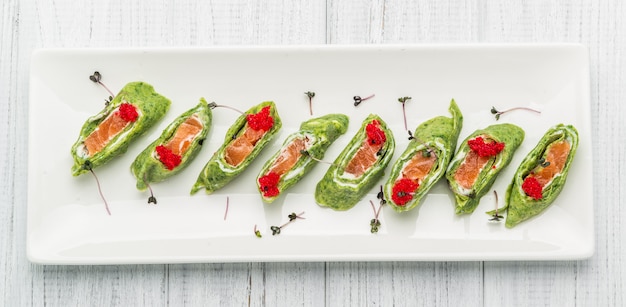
{"x": 106, "y": 135}
{"x": 480, "y": 158}
{"x": 178, "y": 145}
{"x": 541, "y": 176}
{"x": 299, "y": 153}
{"x": 359, "y": 166}
{"x": 425, "y": 160}
{"x": 243, "y": 142}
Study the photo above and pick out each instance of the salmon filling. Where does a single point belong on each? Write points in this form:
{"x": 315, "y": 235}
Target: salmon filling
{"x": 240, "y": 148}
{"x": 412, "y": 175}
{"x": 283, "y": 163}
{"x": 367, "y": 154}
{"x": 109, "y": 128}
{"x": 482, "y": 150}
{"x": 556, "y": 157}
{"x": 468, "y": 171}
{"x": 170, "y": 154}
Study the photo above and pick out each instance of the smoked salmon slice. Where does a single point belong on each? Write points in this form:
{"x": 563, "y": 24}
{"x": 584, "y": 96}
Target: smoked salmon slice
{"x": 288, "y": 157}
{"x": 468, "y": 171}
{"x": 241, "y": 147}
{"x": 556, "y": 156}
{"x": 364, "y": 158}
{"x": 185, "y": 134}
{"x": 106, "y": 131}
{"x": 419, "y": 166}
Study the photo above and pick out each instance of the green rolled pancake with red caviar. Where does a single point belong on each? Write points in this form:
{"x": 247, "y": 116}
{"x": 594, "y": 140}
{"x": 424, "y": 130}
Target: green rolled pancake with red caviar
{"x": 479, "y": 160}
{"x": 424, "y": 161}
{"x": 243, "y": 142}
{"x": 178, "y": 145}
{"x": 108, "y": 134}
{"x": 541, "y": 176}
{"x": 359, "y": 166}
{"x": 300, "y": 152}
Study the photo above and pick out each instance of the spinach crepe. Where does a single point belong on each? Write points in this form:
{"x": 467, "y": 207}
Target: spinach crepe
{"x": 359, "y": 166}
{"x": 479, "y": 160}
{"x": 178, "y": 145}
{"x": 243, "y": 142}
{"x": 106, "y": 135}
{"x": 424, "y": 161}
{"x": 541, "y": 176}
{"x": 299, "y": 153}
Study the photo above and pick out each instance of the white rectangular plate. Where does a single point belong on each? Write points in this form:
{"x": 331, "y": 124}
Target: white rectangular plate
{"x": 67, "y": 222}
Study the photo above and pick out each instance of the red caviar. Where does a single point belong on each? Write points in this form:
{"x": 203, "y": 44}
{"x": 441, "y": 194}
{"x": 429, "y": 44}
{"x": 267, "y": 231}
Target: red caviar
{"x": 261, "y": 121}
{"x": 403, "y": 190}
{"x": 532, "y": 187}
{"x": 167, "y": 157}
{"x": 128, "y": 112}
{"x": 374, "y": 134}
{"x": 483, "y": 149}
{"x": 269, "y": 184}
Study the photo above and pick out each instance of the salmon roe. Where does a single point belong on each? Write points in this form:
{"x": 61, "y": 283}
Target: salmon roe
{"x": 128, "y": 112}
{"x": 167, "y": 157}
{"x": 269, "y": 184}
{"x": 403, "y": 190}
{"x": 483, "y": 149}
{"x": 374, "y": 134}
{"x": 261, "y": 121}
{"x": 532, "y": 187}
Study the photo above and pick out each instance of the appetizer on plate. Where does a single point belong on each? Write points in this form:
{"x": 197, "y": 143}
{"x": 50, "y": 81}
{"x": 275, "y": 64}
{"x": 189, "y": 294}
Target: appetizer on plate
{"x": 299, "y": 153}
{"x": 541, "y": 176}
{"x": 425, "y": 160}
{"x": 108, "y": 134}
{"x": 481, "y": 156}
{"x": 359, "y": 166}
{"x": 243, "y": 142}
{"x": 179, "y": 144}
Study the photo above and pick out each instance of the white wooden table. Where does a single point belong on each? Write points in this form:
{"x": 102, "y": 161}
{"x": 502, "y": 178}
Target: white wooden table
{"x": 599, "y": 281}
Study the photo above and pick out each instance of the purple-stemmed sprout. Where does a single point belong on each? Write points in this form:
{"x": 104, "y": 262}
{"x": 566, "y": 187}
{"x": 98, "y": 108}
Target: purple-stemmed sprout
{"x": 498, "y": 113}
{"x": 257, "y": 232}
{"x": 403, "y": 101}
{"x": 358, "y": 99}
{"x": 375, "y": 222}
{"x": 496, "y": 217}
{"x": 151, "y": 199}
{"x": 87, "y": 166}
{"x": 97, "y": 78}
{"x": 226, "y": 210}
{"x": 292, "y": 217}
{"x": 214, "y": 105}
{"x": 310, "y": 95}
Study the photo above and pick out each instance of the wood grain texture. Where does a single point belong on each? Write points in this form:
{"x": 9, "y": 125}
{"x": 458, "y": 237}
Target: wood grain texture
{"x": 601, "y": 280}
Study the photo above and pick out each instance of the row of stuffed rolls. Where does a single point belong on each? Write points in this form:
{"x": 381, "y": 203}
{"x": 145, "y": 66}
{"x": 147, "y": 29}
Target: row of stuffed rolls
{"x": 428, "y": 157}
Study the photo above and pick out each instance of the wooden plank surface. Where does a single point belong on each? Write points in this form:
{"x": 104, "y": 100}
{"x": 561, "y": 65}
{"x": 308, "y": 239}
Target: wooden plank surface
{"x": 30, "y": 24}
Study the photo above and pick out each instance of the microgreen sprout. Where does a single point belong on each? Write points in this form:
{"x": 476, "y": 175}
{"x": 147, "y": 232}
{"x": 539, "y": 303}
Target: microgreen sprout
{"x": 226, "y": 210}
{"x": 310, "y": 95}
{"x": 307, "y": 153}
{"x": 498, "y": 113}
{"x": 403, "y": 101}
{"x": 87, "y": 166}
{"x": 375, "y": 222}
{"x": 428, "y": 151}
{"x": 96, "y": 78}
{"x": 214, "y": 105}
{"x": 358, "y": 99}
{"x": 292, "y": 217}
{"x": 496, "y": 217}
